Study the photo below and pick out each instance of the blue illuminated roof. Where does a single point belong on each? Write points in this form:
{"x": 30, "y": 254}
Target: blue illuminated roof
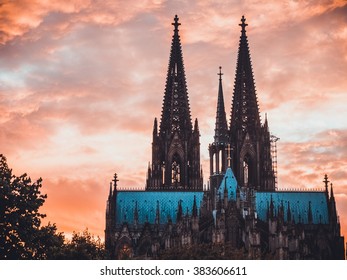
{"x": 230, "y": 183}
{"x": 299, "y": 205}
{"x": 147, "y": 202}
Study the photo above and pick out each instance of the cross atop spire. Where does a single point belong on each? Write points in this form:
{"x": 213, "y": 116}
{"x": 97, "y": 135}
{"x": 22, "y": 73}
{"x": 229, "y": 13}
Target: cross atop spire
{"x": 243, "y": 25}
{"x": 220, "y": 74}
{"x": 176, "y": 23}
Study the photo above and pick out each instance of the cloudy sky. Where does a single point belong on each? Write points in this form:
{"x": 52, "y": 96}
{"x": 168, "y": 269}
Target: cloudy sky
{"x": 81, "y": 82}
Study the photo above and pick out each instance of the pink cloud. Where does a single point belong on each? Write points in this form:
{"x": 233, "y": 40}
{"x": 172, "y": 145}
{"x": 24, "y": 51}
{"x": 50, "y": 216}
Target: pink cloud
{"x": 81, "y": 82}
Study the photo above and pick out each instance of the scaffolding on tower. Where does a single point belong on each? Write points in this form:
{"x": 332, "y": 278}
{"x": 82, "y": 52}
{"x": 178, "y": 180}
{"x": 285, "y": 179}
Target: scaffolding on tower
{"x": 274, "y": 140}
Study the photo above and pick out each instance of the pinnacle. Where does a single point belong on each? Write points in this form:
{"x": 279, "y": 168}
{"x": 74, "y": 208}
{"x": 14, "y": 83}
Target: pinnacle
{"x": 221, "y": 128}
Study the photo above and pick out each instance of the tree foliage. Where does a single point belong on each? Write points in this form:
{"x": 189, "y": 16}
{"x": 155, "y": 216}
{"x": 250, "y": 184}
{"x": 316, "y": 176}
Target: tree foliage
{"x": 19, "y": 213}
{"x": 21, "y": 233}
{"x": 82, "y": 246}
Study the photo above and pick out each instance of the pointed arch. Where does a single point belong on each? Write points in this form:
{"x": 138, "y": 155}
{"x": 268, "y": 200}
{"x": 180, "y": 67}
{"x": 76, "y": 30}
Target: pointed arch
{"x": 247, "y": 166}
{"x": 124, "y": 249}
{"x": 175, "y": 169}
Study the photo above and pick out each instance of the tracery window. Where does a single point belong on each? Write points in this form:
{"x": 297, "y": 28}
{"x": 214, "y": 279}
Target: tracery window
{"x": 246, "y": 170}
{"x": 176, "y": 170}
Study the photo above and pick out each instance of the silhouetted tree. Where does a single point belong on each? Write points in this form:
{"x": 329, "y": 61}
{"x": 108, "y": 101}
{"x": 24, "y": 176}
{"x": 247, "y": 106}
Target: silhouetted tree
{"x": 20, "y": 200}
{"x": 83, "y": 246}
{"x": 49, "y": 243}
{"x": 21, "y": 233}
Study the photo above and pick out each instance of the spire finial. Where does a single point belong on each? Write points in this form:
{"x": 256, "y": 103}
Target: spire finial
{"x": 220, "y": 73}
{"x": 176, "y": 23}
{"x": 243, "y": 25}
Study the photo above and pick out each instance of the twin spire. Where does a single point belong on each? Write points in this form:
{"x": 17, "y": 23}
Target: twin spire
{"x": 176, "y": 139}
{"x": 175, "y": 116}
{"x": 245, "y": 111}
{"x": 176, "y": 110}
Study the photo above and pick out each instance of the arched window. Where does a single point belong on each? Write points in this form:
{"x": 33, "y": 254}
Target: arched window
{"x": 245, "y": 173}
{"x": 247, "y": 170}
{"x": 176, "y": 170}
{"x": 163, "y": 173}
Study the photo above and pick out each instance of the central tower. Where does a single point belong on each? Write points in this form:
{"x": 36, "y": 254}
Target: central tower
{"x": 176, "y": 146}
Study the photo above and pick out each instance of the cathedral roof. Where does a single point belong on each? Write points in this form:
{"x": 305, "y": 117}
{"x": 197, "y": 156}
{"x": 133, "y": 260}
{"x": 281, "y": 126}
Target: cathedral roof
{"x": 147, "y": 202}
{"x": 299, "y": 204}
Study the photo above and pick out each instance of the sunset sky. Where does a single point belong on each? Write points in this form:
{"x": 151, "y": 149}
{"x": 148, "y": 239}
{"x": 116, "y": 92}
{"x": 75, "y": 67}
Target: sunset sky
{"x": 82, "y": 81}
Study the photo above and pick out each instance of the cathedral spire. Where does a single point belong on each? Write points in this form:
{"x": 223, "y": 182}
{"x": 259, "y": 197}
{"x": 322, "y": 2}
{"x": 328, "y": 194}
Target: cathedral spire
{"x": 331, "y": 192}
{"x": 155, "y": 127}
{"x": 136, "y": 214}
{"x": 271, "y": 212}
{"x": 309, "y": 214}
{"x": 179, "y": 211}
{"x": 110, "y": 193}
{"x": 157, "y": 214}
{"x": 289, "y": 213}
{"x": 249, "y": 139}
{"x": 176, "y": 145}
{"x": 196, "y": 126}
{"x": 221, "y": 128}
{"x": 245, "y": 111}
{"x": 195, "y": 208}
{"x": 175, "y": 115}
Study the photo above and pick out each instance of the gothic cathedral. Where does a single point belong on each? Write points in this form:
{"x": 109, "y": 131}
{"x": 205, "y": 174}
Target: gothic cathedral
{"x": 241, "y": 214}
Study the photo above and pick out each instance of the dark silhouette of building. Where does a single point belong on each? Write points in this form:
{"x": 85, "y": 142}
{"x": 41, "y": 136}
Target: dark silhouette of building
{"x": 176, "y": 146}
{"x": 241, "y": 209}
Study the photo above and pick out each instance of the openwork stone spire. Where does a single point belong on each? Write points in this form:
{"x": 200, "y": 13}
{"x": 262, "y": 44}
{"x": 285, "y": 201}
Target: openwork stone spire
{"x": 175, "y": 115}
{"x": 245, "y": 111}
{"x": 176, "y": 146}
{"x": 249, "y": 139}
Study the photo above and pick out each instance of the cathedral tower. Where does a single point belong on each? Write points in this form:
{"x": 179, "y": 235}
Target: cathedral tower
{"x": 250, "y": 140}
{"x": 176, "y": 146}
